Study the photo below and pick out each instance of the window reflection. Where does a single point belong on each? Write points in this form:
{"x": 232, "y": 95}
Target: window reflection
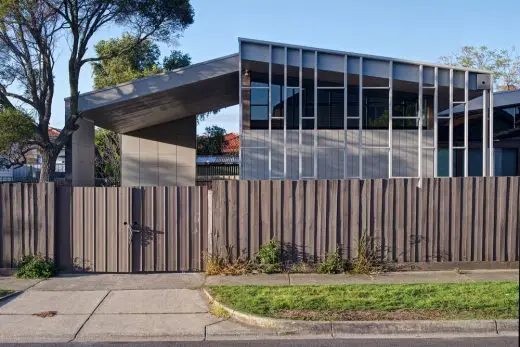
{"x": 330, "y": 108}
{"x": 375, "y": 109}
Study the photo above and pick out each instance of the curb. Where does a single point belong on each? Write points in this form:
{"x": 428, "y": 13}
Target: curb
{"x": 10, "y": 295}
{"x": 353, "y": 328}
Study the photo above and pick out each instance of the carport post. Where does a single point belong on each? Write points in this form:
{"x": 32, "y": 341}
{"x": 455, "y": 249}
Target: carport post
{"x": 80, "y": 153}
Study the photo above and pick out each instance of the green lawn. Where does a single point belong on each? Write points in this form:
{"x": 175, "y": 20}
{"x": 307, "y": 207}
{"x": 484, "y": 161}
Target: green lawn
{"x": 481, "y": 300}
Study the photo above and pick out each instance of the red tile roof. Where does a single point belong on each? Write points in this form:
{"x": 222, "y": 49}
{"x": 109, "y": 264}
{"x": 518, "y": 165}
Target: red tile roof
{"x": 53, "y": 132}
{"x": 232, "y": 144}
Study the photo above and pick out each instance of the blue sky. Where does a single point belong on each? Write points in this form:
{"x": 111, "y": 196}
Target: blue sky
{"x": 417, "y": 30}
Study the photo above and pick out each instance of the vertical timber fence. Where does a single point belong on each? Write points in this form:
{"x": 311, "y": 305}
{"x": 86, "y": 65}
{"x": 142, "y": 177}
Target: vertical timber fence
{"x": 105, "y": 229}
{"x": 408, "y": 220}
{"x": 155, "y": 229}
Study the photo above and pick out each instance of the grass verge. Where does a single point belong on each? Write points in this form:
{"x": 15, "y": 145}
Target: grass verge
{"x": 481, "y": 300}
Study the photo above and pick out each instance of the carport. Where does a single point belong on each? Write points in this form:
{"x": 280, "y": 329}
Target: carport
{"x": 156, "y": 117}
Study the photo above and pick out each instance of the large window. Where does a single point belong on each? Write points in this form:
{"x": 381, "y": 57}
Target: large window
{"x": 330, "y": 108}
{"x": 506, "y": 162}
{"x": 375, "y": 109}
{"x": 259, "y": 104}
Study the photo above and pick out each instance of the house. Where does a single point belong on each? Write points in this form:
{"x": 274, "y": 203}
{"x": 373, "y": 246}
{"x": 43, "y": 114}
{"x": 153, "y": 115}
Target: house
{"x": 231, "y": 144}
{"x": 224, "y": 165}
{"x": 31, "y": 170}
{"x": 305, "y": 113}
{"x": 506, "y": 136}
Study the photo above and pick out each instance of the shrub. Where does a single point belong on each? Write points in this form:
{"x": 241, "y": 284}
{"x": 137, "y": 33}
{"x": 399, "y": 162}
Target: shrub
{"x": 217, "y": 264}
{"x": 302, "y": 268}
{"x": 268, "y": 258}
{"x": 368, "y": 260}
{"x": 35, "y": 266}
{"x": 333, "y": 264}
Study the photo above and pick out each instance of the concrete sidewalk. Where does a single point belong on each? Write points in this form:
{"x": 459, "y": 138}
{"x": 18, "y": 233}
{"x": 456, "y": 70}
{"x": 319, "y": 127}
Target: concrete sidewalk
{"x": 134, "y": 307}
{"x": 115, "y": 308}
{"x": 16, "y": 284}
{"x": 383, "y": 278}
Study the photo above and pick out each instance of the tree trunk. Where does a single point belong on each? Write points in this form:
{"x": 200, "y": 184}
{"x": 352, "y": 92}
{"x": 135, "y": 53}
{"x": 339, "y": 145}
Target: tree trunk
{"x": 48, "y": 166}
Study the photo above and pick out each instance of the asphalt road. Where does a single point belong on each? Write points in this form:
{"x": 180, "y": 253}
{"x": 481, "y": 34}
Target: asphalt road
{"x": 499, "y": 341}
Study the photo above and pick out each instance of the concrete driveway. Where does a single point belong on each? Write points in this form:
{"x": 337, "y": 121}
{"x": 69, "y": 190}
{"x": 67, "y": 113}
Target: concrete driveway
{"x": 114, "y": 308}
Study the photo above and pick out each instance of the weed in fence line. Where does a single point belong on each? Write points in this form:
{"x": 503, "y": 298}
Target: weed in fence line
{"x": 333, "y": 264}
{"x": 268, "y": 259}
{"x": 217, "y": 264}
{"x": 301, "y": 268}
{"x": 35, "y": 266}
{"x": 369, "y": 260}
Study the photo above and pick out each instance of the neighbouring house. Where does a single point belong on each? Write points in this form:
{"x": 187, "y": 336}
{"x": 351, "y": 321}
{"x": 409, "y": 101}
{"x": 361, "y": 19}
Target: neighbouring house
{"x": 220, "y": 166}
{"x": 217, "y": 167}
{"x": 231, "y": 144}
{"x": 31, "y": 170}
{"x": 506, "y": 136}
{"x": 305, "y": 113}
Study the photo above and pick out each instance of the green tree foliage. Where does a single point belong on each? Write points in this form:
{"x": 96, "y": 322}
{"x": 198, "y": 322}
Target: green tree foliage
{"x": 108, "y": 157}
{"x": 30, "y": 31}
{"x": 141, "y": 61}
{"x": 176, "y": 60}
{"x": 212, "y": 141}
{"x": 138, "y": 61}
{"x": 16, "y": 133}
{"x": 504, "y": 63}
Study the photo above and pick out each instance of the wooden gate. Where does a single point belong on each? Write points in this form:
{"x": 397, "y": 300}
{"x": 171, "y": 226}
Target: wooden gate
{"x": 150, "y": 229}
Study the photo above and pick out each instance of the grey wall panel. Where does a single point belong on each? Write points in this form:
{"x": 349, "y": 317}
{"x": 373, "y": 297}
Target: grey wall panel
{"x": 292, "y": 155}
{"x": 331, "y": 154}
{"x": 83, "y": 154}
{"x": 293, "y": 57}
{"x": 308, "y": 59}
{"x": 406, "y": 72}
{"x": 376, "y": 68}
{"x": 405, "y": 153}
{"x": 307, "y": 153}
{"x": 255, "y": 163}
{"x": 160, "y": 155}
{"x": 375, "y": 163}
{"x": 277, "y": 153}
{"x": 428, "y": 169}
{"x": 331, "y": 62}
{"x": 254, "y": 51}
{"x": 278, "y": 55}
{"x": 428, "y": 75}
{"x": 353, "y": 65}
{"x": 330, "y": 163}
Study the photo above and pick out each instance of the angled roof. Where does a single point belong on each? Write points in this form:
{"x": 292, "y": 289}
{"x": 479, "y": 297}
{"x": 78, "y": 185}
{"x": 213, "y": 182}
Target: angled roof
{"x": 157, "y": 99}
{"x": 213, "y": 84}
{"x": 368, "y": 56}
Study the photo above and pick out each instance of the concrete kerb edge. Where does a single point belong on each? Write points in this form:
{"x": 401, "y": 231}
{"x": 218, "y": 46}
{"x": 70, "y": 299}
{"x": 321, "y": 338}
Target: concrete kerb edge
{"x": 285, "y": 327}
{"x": 507, "y": 326}
{"x": 10, "y": 296}
{"x": 352, "y": 328}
